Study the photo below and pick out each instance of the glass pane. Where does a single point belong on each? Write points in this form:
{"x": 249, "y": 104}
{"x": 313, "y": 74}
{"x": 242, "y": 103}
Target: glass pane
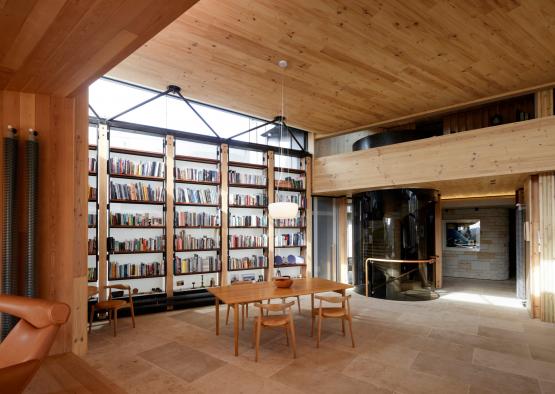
{"x": 109, "y": 98}
{"x": 136, "y": 141}
{"x": 225, "y": 123}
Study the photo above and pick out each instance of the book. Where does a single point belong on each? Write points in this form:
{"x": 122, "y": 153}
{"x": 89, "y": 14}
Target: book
{"x": 196, "y": 219}
{"x": 253, "y": 261}
{"x": 196, "y": 196}
{"x": 197, "y": 175}
{"x": 130, "y": 270}
{"x": 251, "y": 200}
{"x": 154, "y": 244}
{"x": 135, "y": 219}
{"x": 136, "y": 192}
{"x": 185, "y": 265}
{"x": 119, "y": 166}
{"x": 293, "y": 239}
{"x": 248, "y": 221}
{"x": 184, "y": 242}
{"x": 247, "y": 179}
{"x": 247, "y": 241}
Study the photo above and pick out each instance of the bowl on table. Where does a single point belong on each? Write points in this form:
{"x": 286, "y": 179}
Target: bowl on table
{"x": 283, "y": 283}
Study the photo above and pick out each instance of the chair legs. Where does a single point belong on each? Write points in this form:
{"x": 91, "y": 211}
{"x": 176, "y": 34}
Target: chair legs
{"x": 293, "y": 339}
{"x": 92, "y": 317}
{"x": 299, "y": 304}
{"x": 257, "y": 345}
{"x": 319, "y": 331}
{"x": 350, "y": 320}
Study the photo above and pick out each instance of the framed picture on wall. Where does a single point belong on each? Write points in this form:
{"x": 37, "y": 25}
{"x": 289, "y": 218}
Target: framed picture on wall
{"x": 462, "y": 234}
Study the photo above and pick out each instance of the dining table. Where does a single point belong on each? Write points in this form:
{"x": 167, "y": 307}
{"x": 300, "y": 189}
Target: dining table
{"x": 237, "y": 295}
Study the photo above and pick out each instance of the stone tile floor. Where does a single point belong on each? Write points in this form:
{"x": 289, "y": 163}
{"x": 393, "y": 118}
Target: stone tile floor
{"x": 476, "y": 338}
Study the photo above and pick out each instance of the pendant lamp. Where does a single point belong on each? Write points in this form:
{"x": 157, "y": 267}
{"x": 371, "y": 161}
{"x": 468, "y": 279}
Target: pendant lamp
{"x": 283, "y": 209}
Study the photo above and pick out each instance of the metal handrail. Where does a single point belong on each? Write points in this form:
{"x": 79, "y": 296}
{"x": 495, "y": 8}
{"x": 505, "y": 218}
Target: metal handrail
{"x": 431, "y": 260}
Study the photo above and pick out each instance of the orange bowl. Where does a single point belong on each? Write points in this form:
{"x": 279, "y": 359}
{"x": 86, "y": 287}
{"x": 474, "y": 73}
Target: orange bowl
{"x": 283, "y": 283}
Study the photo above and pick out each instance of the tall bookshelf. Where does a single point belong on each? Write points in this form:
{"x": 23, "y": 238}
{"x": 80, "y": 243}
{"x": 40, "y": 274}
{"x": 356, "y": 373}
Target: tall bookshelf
{"x": 136, "y": 186}
{"x": 208, "y": 192}
{"x": 92, "y": 217}
{"x": 291, "y": 243}
{"x": 248, "y": 221}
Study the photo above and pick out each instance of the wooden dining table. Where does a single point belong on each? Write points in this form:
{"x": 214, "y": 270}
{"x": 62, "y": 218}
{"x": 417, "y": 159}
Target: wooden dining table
{"x": 236, "y": 295}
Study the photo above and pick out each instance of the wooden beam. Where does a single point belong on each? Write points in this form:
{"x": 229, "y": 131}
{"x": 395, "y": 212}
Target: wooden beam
{"x": 438, "y": 267}
{"x": 517, "y": 148}
{"x": 544, "y": 103}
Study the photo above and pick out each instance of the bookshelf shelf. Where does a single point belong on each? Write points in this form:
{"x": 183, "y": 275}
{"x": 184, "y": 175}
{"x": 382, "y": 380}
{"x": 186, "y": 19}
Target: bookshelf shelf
{"x": 290, "y": 246}
{"x": 247, "y": 269}
{"x": 192, "y": 204}
{"x": 92, "y": 280}
{"x": 248, "y": 247}
{"x": 248, "y": 227}
{"x": 144, "y": 202}
{"x": 91, "y": 226}
{"x": 192, "y": 182}
{"x": 136, "y": 277}
{"x": 197, "y": 273}
{"x": 290, "y": 170}
{"x": 196, "y": 159}
{"x": 289, "y": 189}
{"x": 196, "y": 250}
{"x": 247, "y": 186}
{"x": 140, "y": 177}
{"x": 92, "y": 199}
{"x": 92, "y": 173}
{"x": 136, "y": 227}
{"x": 138, "y": 252}
{"x": 92, "y": 147}
{"x": 247, "y": 165}
{"x": 289, "y": 265}
{"x": 248, "y": 206}
{"x": 193, "y": 227}
{"x": 92, "y": 254}
{"x": 289, "y": 227}
{"x": 137, "y": 152}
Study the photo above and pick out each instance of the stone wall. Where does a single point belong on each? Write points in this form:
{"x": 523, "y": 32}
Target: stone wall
{"x": 492, "y": 261}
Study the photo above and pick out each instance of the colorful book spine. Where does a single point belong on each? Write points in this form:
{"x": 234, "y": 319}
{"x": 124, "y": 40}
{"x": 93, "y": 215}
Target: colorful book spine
{"x": 197, "y": 175}
{"x": 290, "y": 183}
{"x": 196, "y": 196}
{"x": 119, "y": 166}
{"x": 247, "y": 179}
{"x": 130, "y": 270}
{"x": 91, "y": 246}
{"x": 92, "y": 165}
{"x": 185, "y": 242}
{"x": 248, "y": 241}
{"x": 154, "y": 245}
{"x": 299, "y": 221}
{"x": 248, "y": 221}
{"x": 298, "y": 199}
{"x": 253, "y": 261}
{"x": 136, "y": 192}
{"x": 196, "y": 219}
{"x": 257, "y": 200}
{"x": 135, "y": 219}
{"x": 196, "y": 264}
{"x": 294, "y": 239}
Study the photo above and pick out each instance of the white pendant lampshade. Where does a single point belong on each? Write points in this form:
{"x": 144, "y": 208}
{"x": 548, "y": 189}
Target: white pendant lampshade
{"x": 283, "y": 210}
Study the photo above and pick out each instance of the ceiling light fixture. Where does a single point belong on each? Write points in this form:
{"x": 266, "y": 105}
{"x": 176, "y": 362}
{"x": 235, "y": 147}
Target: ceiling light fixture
{"x": 283, "y": 209}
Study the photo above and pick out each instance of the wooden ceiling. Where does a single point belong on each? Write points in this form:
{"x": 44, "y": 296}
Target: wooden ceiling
{"x": 351, "y": 63}
{"x": 57, "y": 46}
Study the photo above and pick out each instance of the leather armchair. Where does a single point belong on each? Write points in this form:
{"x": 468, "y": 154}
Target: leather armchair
{"x": 30, "y": 340}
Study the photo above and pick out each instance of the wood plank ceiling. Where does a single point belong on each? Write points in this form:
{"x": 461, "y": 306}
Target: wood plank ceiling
{"x": 57, "y": 46}
{"x": 352, "y": 63}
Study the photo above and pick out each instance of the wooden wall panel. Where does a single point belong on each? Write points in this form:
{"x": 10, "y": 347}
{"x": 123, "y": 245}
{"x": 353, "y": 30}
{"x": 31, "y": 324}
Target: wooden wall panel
{"x": 61, "y": 230}
{"x": 546, "y": 200}
{"x": 518, "y": 148}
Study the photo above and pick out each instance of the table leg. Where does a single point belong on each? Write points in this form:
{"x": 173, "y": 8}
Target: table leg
{"x": 217, "y": 315}
{"x": 343, "y": 320}
{"x": 236, "y": 328}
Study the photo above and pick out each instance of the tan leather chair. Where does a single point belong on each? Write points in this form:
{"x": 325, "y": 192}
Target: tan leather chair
{"x": 275, "y": 321}
{"x": 29, "y": 342}
{"x": 112, "y": 306}
{"x": 343, "y": 313}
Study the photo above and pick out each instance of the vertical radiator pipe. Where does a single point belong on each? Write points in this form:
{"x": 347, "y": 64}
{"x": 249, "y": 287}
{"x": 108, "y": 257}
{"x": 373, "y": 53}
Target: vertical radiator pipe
{"x": 9, "y": 265}
{"x": 31, "y": 175}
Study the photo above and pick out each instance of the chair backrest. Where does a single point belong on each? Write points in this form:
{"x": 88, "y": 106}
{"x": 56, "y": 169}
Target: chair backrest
{"x": 335, "y": 300}
{"x": 33, "y": 336}
{"x": 274, "y": 307}
{"x": 119, "y": 287}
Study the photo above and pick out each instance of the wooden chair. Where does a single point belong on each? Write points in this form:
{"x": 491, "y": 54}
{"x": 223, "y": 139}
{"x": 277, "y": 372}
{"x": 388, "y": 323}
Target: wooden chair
{"x": 112, "y": 306}
{"x": 244, "y": 306}
{"x": 284, "y": 320}
{"x": 343, "y": 313}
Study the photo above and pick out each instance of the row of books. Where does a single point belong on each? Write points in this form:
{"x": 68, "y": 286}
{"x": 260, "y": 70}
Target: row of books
{"x": 155, "y": 244}
{"x": 135, "y": 219}
{"x": 248, "y": 221}
{"x": 92, "y": 193}
{"x": 196, "y": 219}
{"x": 248, "y": 179}
{"x": 295, "y": 222}
{"x": 91, "y": 274}
{"x": 253, "y": 261}
{"x": 298, "y": 199}
{"x": 196, "y": 196}
{"x": 128, "y": 270}
{"x": 248, "y": 199}
{"x": 247, "y": 241}
{"x": 91, "y": 220}
{"x": 92, "y": 164}
{"x": 136, "y": 192}
{"x": 290, "y": 182}
{"x": 188, "y": 242}
{"x": 196, "y": 264}
{"x": 295, "y": 239}
{"x": 119, "y": 166}
{"x": 91, "y": 246}
{"x": 197, "y": 175}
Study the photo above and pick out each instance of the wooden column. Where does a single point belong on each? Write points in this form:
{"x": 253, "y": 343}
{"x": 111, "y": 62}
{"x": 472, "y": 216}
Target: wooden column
{"x": 531, "y": 192}
{"x": 269, "y": 274}
{"x": 438, "y": 269}
{"x": 102, "y": 193}
{"x": 544, "y": 103}
{"x": 546, "y": 247}
{"x": 308, "y": 250}
{"x": 170, "y": 154}
{"x": 343, "y": 275}
{"x": 224, "y": 196}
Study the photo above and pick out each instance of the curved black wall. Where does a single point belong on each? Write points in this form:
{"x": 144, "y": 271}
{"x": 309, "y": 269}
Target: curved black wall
{"x": 392, "y": 224}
